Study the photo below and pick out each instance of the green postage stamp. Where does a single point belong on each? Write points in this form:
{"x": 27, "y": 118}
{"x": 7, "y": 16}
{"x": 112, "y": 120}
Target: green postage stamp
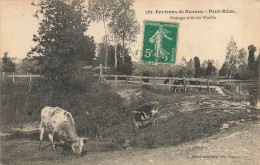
{"x": 160, "y": 42}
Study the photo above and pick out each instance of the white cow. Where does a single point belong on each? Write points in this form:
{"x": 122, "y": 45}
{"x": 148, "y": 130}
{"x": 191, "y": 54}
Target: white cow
{"x": 59, "y": 121}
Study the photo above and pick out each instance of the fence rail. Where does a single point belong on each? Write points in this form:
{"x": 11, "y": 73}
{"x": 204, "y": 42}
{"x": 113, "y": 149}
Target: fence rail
{"x": 153, "y": 81}
{"x": 30, "y": 76}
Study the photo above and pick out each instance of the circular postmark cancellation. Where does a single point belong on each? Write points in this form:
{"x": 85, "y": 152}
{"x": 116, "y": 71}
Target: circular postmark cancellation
{"x": 160, "y": 42}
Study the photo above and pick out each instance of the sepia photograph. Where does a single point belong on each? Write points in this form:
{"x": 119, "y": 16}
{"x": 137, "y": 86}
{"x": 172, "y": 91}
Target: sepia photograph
{"x": 130, "y": 82}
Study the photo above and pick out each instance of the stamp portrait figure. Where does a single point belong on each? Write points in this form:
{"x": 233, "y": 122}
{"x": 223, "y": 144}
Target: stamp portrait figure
{"x": 157, "y": 40}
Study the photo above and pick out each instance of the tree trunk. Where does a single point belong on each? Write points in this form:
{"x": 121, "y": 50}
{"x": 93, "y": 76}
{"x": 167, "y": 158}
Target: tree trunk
{"x": 115, "y": 52}
{"x": 258, "y": 82}
{"x": 106, "y": 43}
{"x": 123, "y": 49}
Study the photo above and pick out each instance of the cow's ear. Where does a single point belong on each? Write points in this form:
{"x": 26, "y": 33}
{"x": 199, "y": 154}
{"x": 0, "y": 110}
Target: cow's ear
{"x": 85, "y": 140}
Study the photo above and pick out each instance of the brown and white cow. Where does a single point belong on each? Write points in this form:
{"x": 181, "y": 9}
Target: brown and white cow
{"x": 58, "y": 121}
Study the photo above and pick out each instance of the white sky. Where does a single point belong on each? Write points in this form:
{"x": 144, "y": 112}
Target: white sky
{"x": 206, "y": 39}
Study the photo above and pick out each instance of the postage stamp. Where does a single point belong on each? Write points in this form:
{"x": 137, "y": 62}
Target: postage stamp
{"x": 160, "y": 42}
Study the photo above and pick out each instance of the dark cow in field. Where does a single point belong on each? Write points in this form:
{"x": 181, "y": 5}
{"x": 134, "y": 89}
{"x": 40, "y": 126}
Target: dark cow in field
{"x": 146, "y": 114}
{"x": 58, "y": 121}
{"x": 175, "y": 82}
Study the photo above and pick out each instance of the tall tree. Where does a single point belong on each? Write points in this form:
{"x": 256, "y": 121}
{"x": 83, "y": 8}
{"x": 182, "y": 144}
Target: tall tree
{"x": 124, "y": 24}
{"x": 197, "y": 66}
{"x": 102, "y": 10}
{"x": 190, "y": 68}
{"x": 242, "y": 63}
{"x": 231, "y": 57}
{"x": 251, "y": 57}
{"x": 60, "y": 39}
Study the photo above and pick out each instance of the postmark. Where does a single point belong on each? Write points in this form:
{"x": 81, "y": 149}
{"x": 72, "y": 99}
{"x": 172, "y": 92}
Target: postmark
{"x": 160, "y": 42}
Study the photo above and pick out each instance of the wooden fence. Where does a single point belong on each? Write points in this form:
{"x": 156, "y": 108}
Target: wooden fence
{"x": 30, "y": 76}
{"x": 159, "y": 81}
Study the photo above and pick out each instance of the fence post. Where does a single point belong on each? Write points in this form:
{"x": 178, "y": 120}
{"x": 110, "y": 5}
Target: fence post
{"x": 13, "y": 78}
{"x": 240, "y": 88}
{"x": 196, "y": 85}
{"x": 3, "y": 76}
{"x": 208, "y": 84}
{"x": 116, "y": 81}
{"x": 141, "y": 81}
{"x": 169, "y": 84}
{"x": 184, "y": 84}
{"x": 30, "y": 77}
{"x": 154, "y": 86}
{"x": 126, "y": 82}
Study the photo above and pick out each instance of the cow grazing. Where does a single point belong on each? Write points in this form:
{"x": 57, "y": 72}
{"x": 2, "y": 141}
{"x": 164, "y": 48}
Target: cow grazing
{"x": 145, "y": 114}
{"x": 175, "y": 82}
{"x": 58, "y": 121}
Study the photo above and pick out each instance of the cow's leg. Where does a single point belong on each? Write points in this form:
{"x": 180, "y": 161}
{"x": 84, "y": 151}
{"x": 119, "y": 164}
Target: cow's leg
{"x": 41, "y": 136}
{"x": 51, "y": 139}
{"x": 157, "y": 120}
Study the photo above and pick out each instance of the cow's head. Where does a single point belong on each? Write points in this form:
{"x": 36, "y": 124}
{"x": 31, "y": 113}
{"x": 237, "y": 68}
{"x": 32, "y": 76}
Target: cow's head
{"x": 77, "y": 145}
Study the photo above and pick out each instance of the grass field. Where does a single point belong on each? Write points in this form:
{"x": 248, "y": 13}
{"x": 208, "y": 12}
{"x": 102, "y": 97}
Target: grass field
{"x": 185, "y": 117}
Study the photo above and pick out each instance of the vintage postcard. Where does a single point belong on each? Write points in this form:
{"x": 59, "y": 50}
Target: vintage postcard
{"x": 105, "y": 82}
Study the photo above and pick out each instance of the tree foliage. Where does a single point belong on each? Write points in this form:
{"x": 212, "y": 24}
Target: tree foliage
{"x": 118, "y": 16}
{"x": 124, "y": 24}
{"x": 231, "y": 57}
{"x": 197, "y": 66}
{"x": 60, "y": 40}
{"x": 30, "y": 65}
{"x": 224, "y": 70}
{"x": 211, "y": 69}
{"x": 7, "y": 63}
{"x": 251, "y": 57}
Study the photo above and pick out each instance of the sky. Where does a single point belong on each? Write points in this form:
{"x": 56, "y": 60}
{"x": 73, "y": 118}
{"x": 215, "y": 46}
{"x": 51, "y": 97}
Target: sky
{"x": 205, "y": 38}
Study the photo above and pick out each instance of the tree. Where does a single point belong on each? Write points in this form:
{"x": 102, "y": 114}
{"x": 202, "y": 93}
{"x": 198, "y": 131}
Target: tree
{"x": 60, "y": 40}
{"x": 251, "y": 57}
{"x": 211, "y": 69}
{"x": 102, "y": 10}
{"x": 183, "y": 62}
{"x": 242, "y": 65}
{"x": 231, "y": 57}
{"x": 224, "y": 70}
{"x": 196, "y": 66}
{"x": 257, "y": 63}
{"x": 7, "y": 63}
{"x": 190, "y": 68}
{"x": 124, "y": 24}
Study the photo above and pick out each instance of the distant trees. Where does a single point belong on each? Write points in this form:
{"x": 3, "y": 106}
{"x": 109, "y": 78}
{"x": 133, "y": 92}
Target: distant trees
{"x": 237, "y": 65}
{"x": 122, "y": 68}
{"x": 61, "y": 42}
{"x": 30, "y": 65}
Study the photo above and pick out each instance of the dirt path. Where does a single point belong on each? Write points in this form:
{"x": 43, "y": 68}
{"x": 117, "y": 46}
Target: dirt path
{"x": 239, "y": 145}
